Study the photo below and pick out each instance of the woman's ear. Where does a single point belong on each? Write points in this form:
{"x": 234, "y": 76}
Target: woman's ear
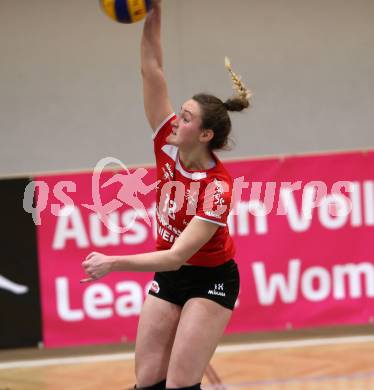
{"x": 206, "y": 135}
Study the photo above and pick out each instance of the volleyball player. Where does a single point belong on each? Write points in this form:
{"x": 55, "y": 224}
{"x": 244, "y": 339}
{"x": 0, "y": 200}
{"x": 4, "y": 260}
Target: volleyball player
{"x": 196, "y": 280}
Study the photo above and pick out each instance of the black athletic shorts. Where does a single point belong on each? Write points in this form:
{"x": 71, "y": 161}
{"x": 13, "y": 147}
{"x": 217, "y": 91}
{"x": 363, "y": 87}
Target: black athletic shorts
{"x": 219, "y": 284}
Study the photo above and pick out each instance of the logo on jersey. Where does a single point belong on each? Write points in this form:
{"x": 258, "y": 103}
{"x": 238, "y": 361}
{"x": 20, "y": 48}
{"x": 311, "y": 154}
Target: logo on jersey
{"x": 168, "y": 173}
{"x": 218, "y": 290}
{"x": 154, "y": 287}
{"x": 218, "y": 200}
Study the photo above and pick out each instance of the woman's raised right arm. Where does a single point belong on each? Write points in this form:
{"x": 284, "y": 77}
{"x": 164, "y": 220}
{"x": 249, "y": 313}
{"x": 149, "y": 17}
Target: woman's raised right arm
{"x": 155, "y": 92}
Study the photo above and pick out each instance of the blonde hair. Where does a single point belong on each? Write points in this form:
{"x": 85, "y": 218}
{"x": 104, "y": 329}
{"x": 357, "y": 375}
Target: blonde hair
{"x": 242, "y": 96}
{"x": 214, "y": 112}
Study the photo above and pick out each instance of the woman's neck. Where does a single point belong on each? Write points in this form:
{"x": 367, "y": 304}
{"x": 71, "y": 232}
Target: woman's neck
{"x": 196, "y": 160}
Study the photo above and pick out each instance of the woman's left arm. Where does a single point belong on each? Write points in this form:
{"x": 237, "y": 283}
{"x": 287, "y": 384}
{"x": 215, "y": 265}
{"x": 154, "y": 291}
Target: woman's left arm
{"x": 196, "y": 234}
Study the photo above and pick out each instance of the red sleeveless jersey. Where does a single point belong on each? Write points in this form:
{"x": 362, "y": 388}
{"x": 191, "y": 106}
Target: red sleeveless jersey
{"x": 182, "y": 194}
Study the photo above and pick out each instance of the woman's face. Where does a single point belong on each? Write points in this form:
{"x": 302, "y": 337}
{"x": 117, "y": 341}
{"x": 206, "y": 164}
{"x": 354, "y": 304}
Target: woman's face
{"x": 187, "y": 126}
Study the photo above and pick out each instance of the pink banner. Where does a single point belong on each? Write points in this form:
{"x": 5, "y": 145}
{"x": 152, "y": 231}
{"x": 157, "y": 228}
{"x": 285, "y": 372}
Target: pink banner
{"x": 303, "y": 228}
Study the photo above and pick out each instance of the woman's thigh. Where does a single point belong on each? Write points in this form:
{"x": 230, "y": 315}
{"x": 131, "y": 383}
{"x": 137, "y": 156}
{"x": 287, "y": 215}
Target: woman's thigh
{"x": 200, "y": 328}
{"x": 156, "y": 331}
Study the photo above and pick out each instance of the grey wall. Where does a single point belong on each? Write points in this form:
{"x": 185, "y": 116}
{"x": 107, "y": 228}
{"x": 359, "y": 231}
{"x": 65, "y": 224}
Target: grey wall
{"x": 70, "y": 86}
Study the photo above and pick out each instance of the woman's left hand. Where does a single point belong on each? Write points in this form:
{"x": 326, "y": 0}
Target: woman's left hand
{"x": 96, "y": 265}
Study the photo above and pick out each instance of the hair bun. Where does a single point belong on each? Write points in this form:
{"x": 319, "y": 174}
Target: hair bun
{"x": 236, "y": 104}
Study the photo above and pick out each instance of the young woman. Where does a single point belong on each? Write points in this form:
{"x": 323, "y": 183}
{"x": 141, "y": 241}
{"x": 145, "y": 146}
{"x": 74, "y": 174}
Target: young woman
{"x": 196, "y": 281}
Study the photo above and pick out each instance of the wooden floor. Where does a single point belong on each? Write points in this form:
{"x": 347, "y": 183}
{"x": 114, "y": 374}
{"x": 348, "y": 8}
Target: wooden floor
{"x": 345, "y": 365}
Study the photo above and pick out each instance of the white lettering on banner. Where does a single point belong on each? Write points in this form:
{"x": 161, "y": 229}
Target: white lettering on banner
{"x": 95, "y": 298}
{"x": 334, "y": 211}
{"x": 99, "y": 301}
{"x": 131, "y": 303}
{"x": 152, "y": 213}
{"x": 353, "y": 273}
{"x": 76, "y": 232}
{"x": 282, "y": 206}
{"x": 139, "y": 230}
{"x": 330, "y": 219}
{"x": 64, "y": 310}
{"x": 238, "y": 220}
{"x": 369, "y": 202}
{"x": 70, "y": 227}
{"x": 355, "y": 193}
{"x": 308, "y": 288}
{"x": 267, "y": 290}
{"x": 298, "y": 223}
{"x": 98, "y": 238}
{"x": 315, "y": 283}
{"x": 269, "y": 197}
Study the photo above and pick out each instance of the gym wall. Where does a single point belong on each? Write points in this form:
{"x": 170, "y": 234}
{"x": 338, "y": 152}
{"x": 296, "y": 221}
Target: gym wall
{"x": 71, "y": 87}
